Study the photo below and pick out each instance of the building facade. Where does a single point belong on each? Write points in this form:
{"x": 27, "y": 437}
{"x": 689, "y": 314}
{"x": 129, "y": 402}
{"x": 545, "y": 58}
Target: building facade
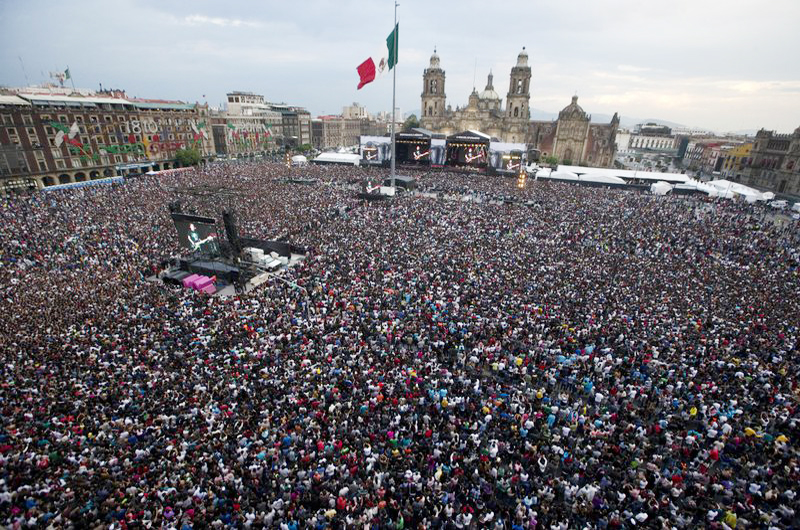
{"x": 48, "y": 138}
{"x": 571, "y": 138}
{"x": 774, "y": 162}
{"x": 331, "y": 132}
{"x": 735, "y": 160}
{"x": 249, "y": 128}
{"x": 355, "y": 111}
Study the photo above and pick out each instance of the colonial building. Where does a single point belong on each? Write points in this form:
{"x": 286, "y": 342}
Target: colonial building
{"x": 735, "y": 160}
{"x": 329, "y": 132}
{"x": 249, "y": 128}
{"x": 48, "y": 138}
{"x": 572, "y": 138}
{"x": 774, "y": 162}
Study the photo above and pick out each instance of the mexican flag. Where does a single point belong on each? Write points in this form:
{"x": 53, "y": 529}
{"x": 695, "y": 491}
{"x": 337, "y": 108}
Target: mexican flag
{"x": 63, "y": 131}
{"x": 380, "y": 63}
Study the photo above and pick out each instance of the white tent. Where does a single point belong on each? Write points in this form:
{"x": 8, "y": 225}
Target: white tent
{"x": 563, "y": 175}
{"x": 338, "y": 158}
{"x": 603, "y": 179}
{"x": 299, "y": 160}
{"x": 728, "y": 189}
{"x": 627, "y": 174}
{"x": 660, "y": 188}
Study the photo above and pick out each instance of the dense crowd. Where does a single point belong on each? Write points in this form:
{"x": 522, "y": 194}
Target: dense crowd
{"x": 585, "y": 358}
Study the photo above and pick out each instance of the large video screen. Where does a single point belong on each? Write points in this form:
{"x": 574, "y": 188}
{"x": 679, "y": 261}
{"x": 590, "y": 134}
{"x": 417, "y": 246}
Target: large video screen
{"x": 506, "y": 162}
{"x": 438, "y": 149}
{"x": 467, "y": 155}
{"x": 416, "y": 152}
{"x": 375, "y": 150}
{"x": 196, "y": 233}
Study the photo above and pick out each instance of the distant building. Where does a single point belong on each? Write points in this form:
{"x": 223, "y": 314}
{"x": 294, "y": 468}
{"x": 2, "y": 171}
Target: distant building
{"x": 572, "y": 138}
{"x": 652, "y": 129}
{"x": 774, "y": 162}
{"x": 355, "y": 111}
{"x": 249, "y": 128}
{"x": 49, "y": 136}
{"x": 296, "y": 124}
{"x": 622, "y": 141}
{"x": 653, "y": 143}
{"x": 331, "y": 132}
{"x": 735, "y": 161}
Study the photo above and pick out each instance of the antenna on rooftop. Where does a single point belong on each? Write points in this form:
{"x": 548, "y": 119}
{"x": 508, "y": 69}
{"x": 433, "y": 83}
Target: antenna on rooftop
{"x": 475, "y": 73}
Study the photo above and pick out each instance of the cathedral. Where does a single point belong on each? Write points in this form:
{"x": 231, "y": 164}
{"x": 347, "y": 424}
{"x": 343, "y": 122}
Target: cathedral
{"x": 572, "y": 138}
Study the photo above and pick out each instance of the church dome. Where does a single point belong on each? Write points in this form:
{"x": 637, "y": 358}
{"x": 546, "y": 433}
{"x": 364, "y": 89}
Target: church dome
{"x": 488, "y": 92}
{"x": 522, "y": 58}
{"x": 573, "y": 110}
{"x": 434, "y": 59}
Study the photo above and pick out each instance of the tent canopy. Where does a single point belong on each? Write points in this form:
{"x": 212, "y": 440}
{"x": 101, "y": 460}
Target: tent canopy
{"x": 338, "y": 158}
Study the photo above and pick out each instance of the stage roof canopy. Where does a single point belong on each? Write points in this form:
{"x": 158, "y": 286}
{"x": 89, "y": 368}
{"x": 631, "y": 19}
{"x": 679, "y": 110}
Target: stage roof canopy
{"x": 469, "y": 136}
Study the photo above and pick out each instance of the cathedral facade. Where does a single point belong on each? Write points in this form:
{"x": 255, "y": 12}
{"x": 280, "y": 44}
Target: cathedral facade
{"x": 572, "y": 138}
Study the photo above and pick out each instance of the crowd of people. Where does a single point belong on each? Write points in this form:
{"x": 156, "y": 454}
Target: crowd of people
{"x": 581, "y": 358}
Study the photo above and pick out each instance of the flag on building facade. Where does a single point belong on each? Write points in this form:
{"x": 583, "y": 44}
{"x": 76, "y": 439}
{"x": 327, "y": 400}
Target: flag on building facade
{"x": 380, "y": 63}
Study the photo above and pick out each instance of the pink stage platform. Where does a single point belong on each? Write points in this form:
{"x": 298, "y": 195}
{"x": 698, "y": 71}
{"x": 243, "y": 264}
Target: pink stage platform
{"x": 199, "y": 283}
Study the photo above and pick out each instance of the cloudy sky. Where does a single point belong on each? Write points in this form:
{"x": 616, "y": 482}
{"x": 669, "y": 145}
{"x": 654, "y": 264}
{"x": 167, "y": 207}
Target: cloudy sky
{"x": 725, "y": 65}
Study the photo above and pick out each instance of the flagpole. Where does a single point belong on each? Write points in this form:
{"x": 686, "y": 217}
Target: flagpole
{"x": 71, "y": 80}
{"x": 394, "y": 83}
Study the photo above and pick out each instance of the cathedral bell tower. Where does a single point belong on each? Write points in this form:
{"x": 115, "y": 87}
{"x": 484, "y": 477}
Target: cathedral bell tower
{"x": 433, "y": 98}
{"x": 519, "y": 95}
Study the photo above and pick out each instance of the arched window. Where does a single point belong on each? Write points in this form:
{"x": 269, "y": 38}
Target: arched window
{"x": 519, "y": 86}
{"x": 516, "y": 111}
{"x": 433, "y": 86}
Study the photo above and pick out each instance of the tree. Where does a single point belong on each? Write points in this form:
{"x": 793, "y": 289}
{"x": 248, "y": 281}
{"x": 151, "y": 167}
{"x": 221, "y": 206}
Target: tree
{"x": 411, "y": 122}
{"x": 187, "y": 157}
{"x": 304, "y": 148}
{"x": 551, "y": 160}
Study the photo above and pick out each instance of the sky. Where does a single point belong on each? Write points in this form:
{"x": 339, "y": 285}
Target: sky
{"x": 722, "y": 65}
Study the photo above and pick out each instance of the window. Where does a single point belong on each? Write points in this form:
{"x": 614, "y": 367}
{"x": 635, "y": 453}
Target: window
{"x": 27, "y": 120}
{"x": 42, "y": 165}
{"x": 60, "y": 164}
{"x": 7, "y": 120}
{"x": 108, "y": 118}
{"x": 79, "y": 119}
{"x": 93, "y": 119}
{"x": 62, "y": 118}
